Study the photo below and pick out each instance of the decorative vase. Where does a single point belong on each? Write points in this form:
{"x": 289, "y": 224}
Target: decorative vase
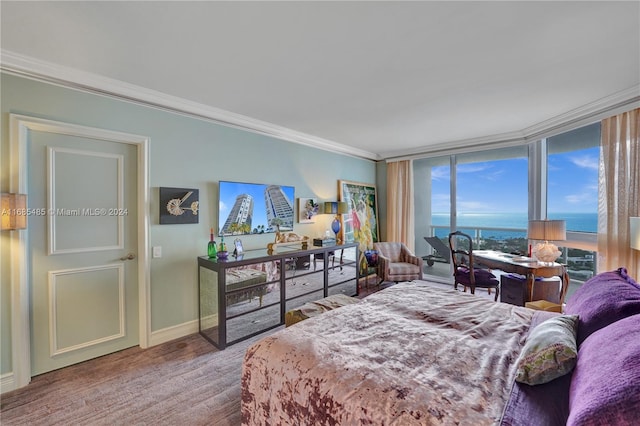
{"x": 335, "y": 227}
{"x": 212, "y": 251}
{"x": 372, "y": 258}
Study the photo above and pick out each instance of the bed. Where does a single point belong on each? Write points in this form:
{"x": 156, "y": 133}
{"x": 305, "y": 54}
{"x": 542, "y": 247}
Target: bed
{"x": 418, "y": 354}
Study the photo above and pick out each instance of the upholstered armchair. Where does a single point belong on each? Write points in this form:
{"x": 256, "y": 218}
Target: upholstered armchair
{"x": 397, "y": 263}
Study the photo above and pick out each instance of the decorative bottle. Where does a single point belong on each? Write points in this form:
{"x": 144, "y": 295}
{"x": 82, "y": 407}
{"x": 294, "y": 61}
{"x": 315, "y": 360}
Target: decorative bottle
{"x": 223, "y": 246}
{"x": 211, "y": 247}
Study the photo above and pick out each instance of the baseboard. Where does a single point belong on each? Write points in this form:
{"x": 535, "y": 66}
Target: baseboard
{"x": 7, "y": 383}
{"x": 174, "y": 332}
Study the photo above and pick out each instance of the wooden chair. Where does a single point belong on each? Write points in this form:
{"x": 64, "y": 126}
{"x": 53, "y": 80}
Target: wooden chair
{"x": 397, "y": 263}
{"x": 464, "y": 270}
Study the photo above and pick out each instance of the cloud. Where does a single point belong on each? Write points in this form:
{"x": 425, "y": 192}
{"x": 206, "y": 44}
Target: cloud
{"x": 472, "y": 168}
{"x": 440, "y": 173}
{"x": 586, "y": 162}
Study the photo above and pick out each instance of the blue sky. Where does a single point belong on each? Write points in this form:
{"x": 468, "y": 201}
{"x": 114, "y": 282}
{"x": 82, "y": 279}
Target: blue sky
{"x": 501, "y": 186}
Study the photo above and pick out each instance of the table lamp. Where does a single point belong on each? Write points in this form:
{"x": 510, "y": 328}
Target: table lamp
{"x": 338, "y": 208}
{"x": 634, "y": 232}
{"x": 554, "y": 230}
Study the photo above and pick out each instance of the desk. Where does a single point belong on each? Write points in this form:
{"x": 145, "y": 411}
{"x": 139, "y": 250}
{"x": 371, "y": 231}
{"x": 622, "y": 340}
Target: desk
{"x": 525, "y": 266}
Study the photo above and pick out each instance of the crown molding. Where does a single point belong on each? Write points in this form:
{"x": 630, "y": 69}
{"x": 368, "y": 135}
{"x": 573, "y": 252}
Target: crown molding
{"x": 458, "y": 146}
{"x": 37, "y": 69}
{"x": 616, "y": 103}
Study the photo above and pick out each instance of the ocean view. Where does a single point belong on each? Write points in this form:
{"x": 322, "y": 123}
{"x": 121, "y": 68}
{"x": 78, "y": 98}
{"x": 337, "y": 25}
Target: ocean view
{"x": 469, "y": 222}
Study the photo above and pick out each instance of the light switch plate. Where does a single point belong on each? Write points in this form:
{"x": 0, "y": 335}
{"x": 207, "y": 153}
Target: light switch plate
{"x": 157, "y": 251}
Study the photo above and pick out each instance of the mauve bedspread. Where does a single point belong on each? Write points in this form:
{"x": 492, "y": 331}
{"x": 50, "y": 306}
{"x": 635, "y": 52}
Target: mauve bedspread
{"x": 412, "y": 354}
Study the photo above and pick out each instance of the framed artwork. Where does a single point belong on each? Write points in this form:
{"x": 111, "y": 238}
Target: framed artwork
{"x": 360, "y": 223}
{"x": 178, "y": 205}
{"x": 307, "y": 209}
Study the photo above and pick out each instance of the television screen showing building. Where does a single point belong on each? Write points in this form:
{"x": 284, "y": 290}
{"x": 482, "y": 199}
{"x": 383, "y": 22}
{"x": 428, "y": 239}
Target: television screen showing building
{"x": 279, "y": 209}
{"x": 239, "y": 220}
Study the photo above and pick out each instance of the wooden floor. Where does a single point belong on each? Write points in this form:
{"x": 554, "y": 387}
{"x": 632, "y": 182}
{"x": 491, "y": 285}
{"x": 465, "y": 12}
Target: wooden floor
{"x": 186, "y": 381}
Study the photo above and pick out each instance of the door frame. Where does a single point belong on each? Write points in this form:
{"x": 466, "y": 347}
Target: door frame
{"x": 19, "y": 252}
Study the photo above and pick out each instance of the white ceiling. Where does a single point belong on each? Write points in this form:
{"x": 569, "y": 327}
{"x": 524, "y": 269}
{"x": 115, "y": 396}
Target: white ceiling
{"x": 377, "y": 79}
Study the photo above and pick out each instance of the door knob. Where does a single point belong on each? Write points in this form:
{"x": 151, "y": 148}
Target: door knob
{"x": 130, "y": 256}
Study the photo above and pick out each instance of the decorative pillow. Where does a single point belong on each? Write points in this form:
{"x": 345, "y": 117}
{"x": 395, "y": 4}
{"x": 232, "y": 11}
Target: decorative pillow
{"x": 603, "y": 300}
{"x": 549, "y": 352}
{"x": 605, "y": 385}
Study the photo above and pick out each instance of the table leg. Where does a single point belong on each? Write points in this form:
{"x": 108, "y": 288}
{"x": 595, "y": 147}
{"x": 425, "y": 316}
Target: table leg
{"x": 531, "y": 279}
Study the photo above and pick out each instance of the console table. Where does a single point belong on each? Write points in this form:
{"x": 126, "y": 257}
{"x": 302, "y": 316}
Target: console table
{"x": 235, "y": 305}
{"x": 531, "y": 269}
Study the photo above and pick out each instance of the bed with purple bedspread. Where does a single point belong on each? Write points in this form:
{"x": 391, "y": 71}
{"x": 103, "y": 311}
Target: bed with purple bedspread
{"x": 417, "y": 354}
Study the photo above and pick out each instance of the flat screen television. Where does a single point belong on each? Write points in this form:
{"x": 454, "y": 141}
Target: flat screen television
{"x": 255, "y": 208}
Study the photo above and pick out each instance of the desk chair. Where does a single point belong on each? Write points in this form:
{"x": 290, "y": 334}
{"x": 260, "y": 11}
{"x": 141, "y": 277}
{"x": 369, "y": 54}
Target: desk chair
{"x": 464, "y": 271}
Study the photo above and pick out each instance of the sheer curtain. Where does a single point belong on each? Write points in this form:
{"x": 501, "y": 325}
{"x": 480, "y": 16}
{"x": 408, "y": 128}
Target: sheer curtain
{"x": 400, "y": 225}
{"x": 618, "y": 190}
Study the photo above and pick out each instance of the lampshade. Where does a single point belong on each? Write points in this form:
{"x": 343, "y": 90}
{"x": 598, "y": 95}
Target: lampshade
{"x": 335, "y": 207}
{"x": 634, "y": 232}
{"x": 547, "y": 230}
{"x": 14, "y": 211}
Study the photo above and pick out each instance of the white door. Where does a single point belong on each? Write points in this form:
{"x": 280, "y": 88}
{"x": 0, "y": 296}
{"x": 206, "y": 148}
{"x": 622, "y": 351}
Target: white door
{"x": 83, "y": 248}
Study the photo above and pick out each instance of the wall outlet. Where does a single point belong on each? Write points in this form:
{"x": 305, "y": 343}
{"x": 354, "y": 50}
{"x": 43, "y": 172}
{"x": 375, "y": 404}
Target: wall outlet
{"x": 157, "y": 252}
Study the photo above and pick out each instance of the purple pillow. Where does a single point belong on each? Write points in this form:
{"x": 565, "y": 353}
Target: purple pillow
{"x": 605, "y": 385}
{"x": 603, "y": 300}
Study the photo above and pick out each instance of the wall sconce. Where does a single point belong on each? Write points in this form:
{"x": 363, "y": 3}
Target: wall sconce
{"x": 634, "y": 232}
{"x": 14, "y": 211}
{"x": 554, "y": 230}
{"x": 338, "y": 208}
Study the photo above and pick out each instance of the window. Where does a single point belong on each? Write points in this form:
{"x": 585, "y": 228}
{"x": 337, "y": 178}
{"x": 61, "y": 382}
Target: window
{"x": 572, "y": 178}
{"x": 572, "y": 195}
{"x": 432, "y": 204}
{"x": 492, "y": 200}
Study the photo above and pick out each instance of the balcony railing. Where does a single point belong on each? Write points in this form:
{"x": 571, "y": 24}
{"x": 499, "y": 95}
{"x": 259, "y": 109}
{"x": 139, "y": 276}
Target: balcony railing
{"x": 581, "y": 263}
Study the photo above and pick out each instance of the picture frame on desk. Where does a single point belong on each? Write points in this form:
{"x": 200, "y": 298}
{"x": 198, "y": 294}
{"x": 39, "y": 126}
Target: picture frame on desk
{"x": 238, "y": 250}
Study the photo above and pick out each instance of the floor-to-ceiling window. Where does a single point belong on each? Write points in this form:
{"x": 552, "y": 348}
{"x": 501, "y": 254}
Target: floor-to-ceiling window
{"x": 493, "y": 200}
{"x": 572, "y": 195}
{"x": 432, "y": 208}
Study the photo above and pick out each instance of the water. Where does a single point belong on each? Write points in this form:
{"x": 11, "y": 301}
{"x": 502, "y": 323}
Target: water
{"x": 469, "y": 222}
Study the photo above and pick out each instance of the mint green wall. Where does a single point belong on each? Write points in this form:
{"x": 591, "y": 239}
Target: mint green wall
{"x": 184, "y": 152}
